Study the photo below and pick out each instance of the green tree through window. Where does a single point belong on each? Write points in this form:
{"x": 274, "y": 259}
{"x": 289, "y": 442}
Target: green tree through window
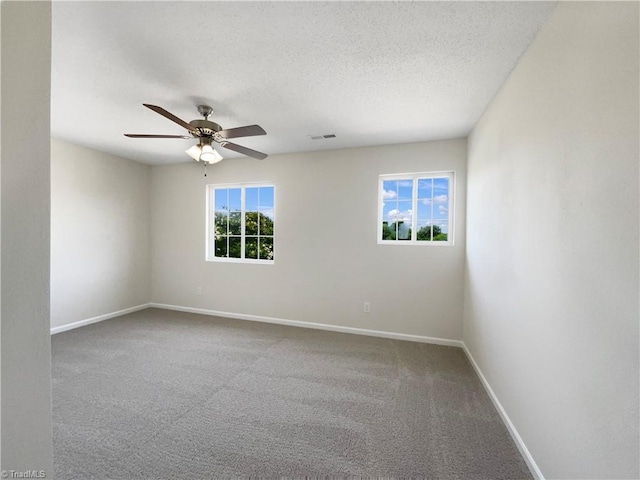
{"x": 243, "y": 223}
{"x": 426, "y": 232}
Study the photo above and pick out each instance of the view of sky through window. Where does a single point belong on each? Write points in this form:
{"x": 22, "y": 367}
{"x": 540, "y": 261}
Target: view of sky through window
{"x": 416, "y": 208}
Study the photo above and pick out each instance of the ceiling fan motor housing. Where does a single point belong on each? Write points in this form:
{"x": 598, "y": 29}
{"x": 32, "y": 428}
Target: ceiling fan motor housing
{"x": 205, "y": 127}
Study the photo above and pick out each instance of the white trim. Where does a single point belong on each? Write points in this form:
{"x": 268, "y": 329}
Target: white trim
{"x": 317, "y": 326}
{"x": 524, "y": 451}
{"x": 415, "y": 177}
{"x": 99, "y": 318}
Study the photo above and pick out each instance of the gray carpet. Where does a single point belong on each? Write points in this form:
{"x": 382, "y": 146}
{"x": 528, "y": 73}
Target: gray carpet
{"x": 159, "y": 394}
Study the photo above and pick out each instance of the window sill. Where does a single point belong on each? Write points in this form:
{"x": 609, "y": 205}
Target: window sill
{"x": 240, "y": 260}
{"x": 414, "y": 243}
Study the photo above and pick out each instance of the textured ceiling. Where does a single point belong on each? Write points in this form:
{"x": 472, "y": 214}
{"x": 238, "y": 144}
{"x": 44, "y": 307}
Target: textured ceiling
{"x": 371, "y": 72}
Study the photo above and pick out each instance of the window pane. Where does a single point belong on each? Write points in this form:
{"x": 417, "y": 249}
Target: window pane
{"x": 388, "y": 211}
{"x": 441, "y": 198}
{"x": 251, "y": 247}
{"x": 400, "y": 219}
{"x": 441, "y": 210}
{"x": 387, "y": 232}
{"x": 220, "y": 202}
{"x": 425, "y": 188}
{"x": 221, "y": 223}
{"x": 405, "y": 189}
{"x": 440, "y": 186}
{"x": 234, "y": 199}
{"x": 424, "y": 231}
{"x": 424, "y": 209}
{"x": 251, "y": 199}
{"x": 221, "y": 246}
{"x": 266, "y": 248}
{"x": 266, "y": 197}
{"x": 266, "y": 210}
{"x": 404, "y": 212}
{"x": 234, "y": 247}
{"x": 266, "y": 224}
{"x": 235, "y": 223}
{"x": 251, "y": 223}
{"x": 389, "y": 190}
{"x": 404, "y": 231}
{"x": 440, "y": 231}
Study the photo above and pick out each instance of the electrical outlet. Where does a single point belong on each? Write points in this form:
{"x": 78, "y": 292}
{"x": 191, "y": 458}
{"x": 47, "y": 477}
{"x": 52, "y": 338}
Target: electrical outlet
{"x": 367, "y": 307}
{"x": 199, "y": 291}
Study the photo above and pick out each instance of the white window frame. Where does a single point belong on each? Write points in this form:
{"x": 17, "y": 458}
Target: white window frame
{"x": 210, "y": 223}
{"x": 414, "y": 196}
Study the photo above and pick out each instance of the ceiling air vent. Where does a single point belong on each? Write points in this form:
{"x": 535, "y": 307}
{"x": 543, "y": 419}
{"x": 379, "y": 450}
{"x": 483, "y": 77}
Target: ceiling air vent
{"x": 322, "y": 137}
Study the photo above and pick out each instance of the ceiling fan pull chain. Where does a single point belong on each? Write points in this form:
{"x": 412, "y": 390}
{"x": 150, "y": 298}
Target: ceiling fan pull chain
{"x": 205, "y": 168}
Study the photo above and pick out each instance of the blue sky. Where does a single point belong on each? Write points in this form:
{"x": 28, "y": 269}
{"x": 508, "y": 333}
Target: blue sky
{"x": 256, "y": 199}
{"x": 432, "y": 202}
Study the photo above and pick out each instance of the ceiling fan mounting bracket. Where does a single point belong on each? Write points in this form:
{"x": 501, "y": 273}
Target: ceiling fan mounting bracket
{"x": 205, "y": 110}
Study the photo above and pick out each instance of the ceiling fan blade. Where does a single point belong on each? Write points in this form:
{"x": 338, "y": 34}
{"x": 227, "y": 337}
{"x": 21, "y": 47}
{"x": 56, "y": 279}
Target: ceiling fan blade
{"x": 144, "y": 135}
{"x": 248, "y": 131}
{"x": 170, "y": 116}
{"x": 244, "y": 150}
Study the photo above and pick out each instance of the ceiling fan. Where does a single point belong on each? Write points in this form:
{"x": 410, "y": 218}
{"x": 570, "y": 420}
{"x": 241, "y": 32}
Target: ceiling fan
{"x": 207, "y": 132}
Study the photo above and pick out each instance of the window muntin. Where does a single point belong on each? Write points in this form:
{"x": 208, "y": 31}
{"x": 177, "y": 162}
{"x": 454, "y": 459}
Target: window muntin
{"x": 416, "y": 209}
{"x": 240, "y": 223}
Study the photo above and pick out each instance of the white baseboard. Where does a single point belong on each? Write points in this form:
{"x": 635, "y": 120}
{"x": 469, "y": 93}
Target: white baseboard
{"x": 524, "y": 451}
{"x": 99, "y": 318}
{"x": 317, "y": 326}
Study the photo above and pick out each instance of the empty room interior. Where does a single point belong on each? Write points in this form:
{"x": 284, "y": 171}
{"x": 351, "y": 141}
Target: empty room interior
{"x": 320, "y": 239}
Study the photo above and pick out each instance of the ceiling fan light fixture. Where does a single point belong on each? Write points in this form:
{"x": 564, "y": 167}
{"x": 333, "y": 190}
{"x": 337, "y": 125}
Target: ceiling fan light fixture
{"x": 194, "y": 152}
{"x": 209, "y": 155}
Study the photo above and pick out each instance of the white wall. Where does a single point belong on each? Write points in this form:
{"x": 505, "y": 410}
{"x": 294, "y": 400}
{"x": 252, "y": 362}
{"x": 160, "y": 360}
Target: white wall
{"x": 24, "y": 281}
{"x": 100, "y": 261}
{"x": 551, "y": 297}
{"x": 327, "y": 260}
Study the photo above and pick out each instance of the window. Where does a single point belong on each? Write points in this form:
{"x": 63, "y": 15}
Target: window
{"x": 240, "y": 223}
{"x": 416, "y": 209}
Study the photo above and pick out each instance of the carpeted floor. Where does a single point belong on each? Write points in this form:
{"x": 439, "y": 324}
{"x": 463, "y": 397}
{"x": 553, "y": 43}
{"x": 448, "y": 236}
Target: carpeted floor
{"x": 159, "y": 394}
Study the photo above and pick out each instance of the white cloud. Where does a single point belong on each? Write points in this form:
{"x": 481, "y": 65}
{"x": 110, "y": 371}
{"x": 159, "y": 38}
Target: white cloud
{"x": 436, "y": 199}
{"x": 398, "y": 215}
{"x": 442, "y": 209}
{"x": 388, "y": 194}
